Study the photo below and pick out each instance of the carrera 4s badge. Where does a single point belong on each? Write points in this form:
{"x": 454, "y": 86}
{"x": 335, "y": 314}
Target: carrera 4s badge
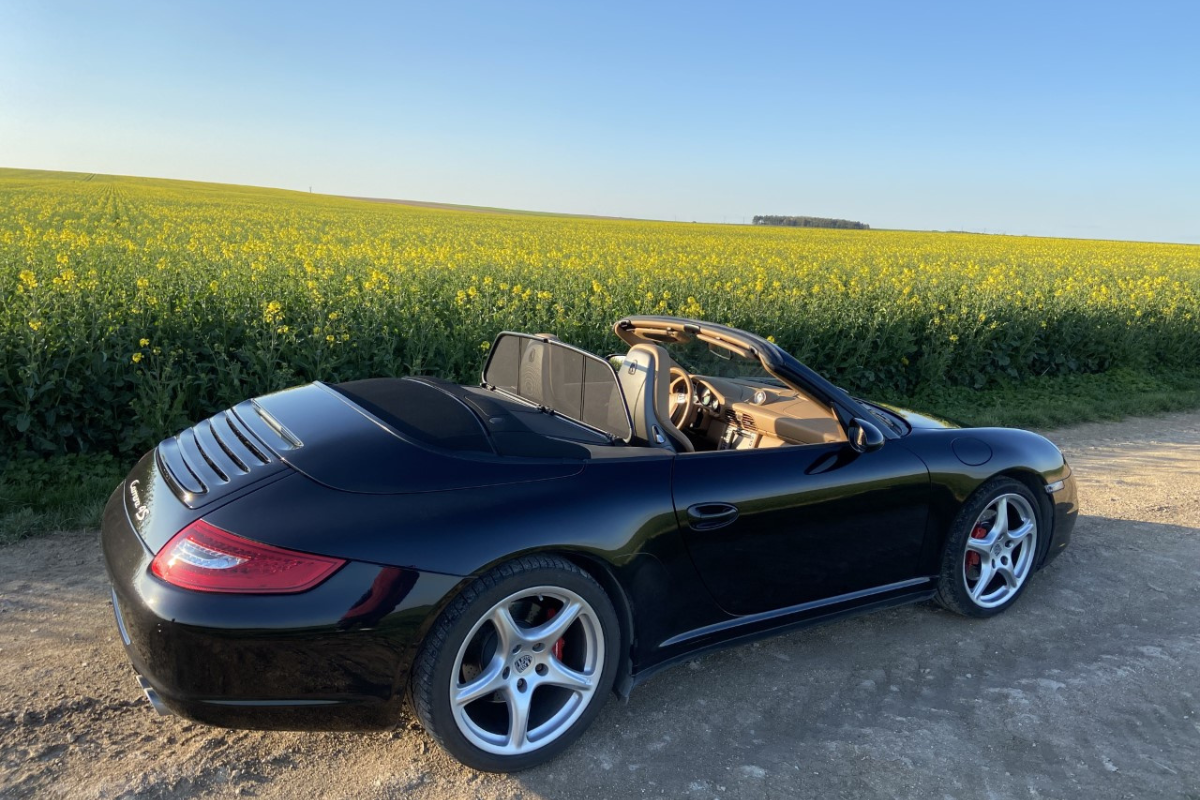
{"x": 140, "y": 511}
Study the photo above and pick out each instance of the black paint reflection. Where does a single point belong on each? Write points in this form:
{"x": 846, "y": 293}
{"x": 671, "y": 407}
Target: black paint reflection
{"x": 387, "y": 591}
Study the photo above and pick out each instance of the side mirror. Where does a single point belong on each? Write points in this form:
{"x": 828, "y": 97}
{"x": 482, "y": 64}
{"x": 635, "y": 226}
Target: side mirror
{"x": 865, "y": 437}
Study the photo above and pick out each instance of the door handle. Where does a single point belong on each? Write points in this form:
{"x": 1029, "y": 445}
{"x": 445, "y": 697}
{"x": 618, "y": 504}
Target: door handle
{"x": 709, "y": 516}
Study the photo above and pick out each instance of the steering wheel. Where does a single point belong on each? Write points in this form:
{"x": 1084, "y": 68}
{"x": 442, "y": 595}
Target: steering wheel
{"x": 681, "y": 397}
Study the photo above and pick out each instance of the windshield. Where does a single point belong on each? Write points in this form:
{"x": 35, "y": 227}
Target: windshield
{"x": 699, "y": 358}
{"x": 886, "y": 416}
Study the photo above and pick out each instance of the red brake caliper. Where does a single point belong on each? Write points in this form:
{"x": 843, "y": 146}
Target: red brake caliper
{"x": 557, "y": 649}
{"x": 979, "y": 532}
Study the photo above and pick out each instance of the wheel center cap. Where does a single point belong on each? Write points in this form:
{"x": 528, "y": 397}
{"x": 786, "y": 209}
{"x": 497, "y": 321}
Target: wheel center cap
{"x": 996, "y": 550}
{"x": 522, "y": 663}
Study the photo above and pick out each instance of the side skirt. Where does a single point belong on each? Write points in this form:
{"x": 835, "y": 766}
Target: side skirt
{"x": 751, "y": 628}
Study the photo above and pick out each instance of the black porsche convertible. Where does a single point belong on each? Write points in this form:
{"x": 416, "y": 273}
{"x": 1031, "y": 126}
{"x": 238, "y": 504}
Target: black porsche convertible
{"x": 501, "y": 557}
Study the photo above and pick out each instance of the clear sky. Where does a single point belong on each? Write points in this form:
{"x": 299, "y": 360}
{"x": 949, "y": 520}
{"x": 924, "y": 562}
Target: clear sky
{"x": 1064, "y": 119}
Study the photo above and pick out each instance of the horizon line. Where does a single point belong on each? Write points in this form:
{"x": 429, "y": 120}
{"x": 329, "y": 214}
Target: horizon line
{"x": 1186, "y": 241}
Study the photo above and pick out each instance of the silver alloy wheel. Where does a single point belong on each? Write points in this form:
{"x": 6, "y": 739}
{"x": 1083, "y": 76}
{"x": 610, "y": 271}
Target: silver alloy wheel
{"x": 1000, "y": 550}
{"x": 545, "y": 671}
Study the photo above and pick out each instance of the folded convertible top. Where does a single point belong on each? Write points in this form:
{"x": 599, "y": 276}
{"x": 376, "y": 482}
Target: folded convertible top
{"x": 448, "y": 416}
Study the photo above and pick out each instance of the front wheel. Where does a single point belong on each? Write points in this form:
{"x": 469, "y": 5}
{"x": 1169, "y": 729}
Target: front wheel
{"x": 991, "y": 550}
{"x": 518, "y": 666}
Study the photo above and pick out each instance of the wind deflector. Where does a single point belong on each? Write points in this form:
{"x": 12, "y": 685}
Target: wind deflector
{"x": 561, "y": 378}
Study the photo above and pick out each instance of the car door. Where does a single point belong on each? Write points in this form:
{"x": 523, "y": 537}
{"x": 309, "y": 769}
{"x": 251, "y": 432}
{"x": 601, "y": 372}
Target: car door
{"x": 779, "y": 527}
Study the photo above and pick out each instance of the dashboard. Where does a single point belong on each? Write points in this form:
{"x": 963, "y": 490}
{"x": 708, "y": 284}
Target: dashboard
{"x": 735, "y": 415}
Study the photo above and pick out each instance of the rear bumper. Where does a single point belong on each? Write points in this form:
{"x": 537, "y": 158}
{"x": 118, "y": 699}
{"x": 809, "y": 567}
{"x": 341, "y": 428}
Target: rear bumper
{"x": 143, "y": 684}
{"x": 335, "y": 657}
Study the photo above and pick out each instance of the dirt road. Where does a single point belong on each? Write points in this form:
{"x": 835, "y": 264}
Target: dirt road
{"x": 1088, "y": 688}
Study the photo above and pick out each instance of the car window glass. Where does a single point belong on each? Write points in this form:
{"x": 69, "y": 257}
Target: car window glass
{"x": 699, "y": 358}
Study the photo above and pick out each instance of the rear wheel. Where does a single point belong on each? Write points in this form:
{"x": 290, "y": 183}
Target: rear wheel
{"x": 518, "y": 666}
{"x": 991, "y": 550}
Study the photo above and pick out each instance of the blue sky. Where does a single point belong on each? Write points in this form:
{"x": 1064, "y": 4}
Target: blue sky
{"x": 1043, "y": 118}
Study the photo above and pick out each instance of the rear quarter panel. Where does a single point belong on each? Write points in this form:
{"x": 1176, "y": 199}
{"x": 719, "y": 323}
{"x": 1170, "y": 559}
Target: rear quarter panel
{"x": 616, "y": 514}
{"x": 461, "y": 531}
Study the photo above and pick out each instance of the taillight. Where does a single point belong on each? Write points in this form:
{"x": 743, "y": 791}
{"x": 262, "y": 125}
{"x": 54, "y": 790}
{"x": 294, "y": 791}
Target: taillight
{"x": 205, "y": 558}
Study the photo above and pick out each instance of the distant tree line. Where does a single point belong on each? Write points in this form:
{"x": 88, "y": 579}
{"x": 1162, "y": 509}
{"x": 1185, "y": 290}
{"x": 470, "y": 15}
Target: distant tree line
{"x": 808, "y": 222}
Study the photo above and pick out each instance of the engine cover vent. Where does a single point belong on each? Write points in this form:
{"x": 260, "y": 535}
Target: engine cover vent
{"x": 213, "y": 458}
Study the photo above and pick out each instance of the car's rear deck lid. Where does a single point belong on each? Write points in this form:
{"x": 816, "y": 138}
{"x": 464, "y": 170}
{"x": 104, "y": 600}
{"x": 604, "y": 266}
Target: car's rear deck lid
{"x": 438, "y": 444}
{"x": 337, "y": 442}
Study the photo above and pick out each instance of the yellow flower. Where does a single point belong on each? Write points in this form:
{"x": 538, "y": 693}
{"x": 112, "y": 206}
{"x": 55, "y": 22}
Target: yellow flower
{"x": 410, "y": 278}
{"x": 137, "y": 357}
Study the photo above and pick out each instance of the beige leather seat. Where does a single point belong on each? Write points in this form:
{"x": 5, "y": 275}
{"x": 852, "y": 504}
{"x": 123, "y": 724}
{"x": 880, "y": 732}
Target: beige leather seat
{"x": 645, "y": 381}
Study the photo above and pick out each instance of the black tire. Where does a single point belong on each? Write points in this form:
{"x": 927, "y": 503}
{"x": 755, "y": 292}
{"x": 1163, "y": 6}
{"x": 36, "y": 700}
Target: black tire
{"x": 953, "y": 591}
{"x": 435, "y": 665}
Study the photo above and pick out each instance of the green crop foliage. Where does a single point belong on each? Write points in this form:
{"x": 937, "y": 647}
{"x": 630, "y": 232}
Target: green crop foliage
{"x": 134, "y": 307}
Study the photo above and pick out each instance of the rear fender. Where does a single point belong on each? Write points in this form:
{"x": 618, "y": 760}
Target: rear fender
{"x": 603, "y": 575}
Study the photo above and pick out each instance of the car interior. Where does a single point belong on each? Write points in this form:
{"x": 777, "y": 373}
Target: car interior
{"x": 664, "y": 405}
{"x": 696, "y": 413}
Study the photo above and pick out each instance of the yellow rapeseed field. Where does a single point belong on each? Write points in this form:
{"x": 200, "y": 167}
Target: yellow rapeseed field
{"x": 133, "y": 306}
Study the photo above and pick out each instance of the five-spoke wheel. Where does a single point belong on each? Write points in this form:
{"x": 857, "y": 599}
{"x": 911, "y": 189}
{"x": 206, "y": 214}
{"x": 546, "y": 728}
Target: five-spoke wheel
{"x": 992, "y": 549}
{"x": 527, "y": 670}
{"x": 1000, "y": 550}
{"x": 518, "y": 665}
